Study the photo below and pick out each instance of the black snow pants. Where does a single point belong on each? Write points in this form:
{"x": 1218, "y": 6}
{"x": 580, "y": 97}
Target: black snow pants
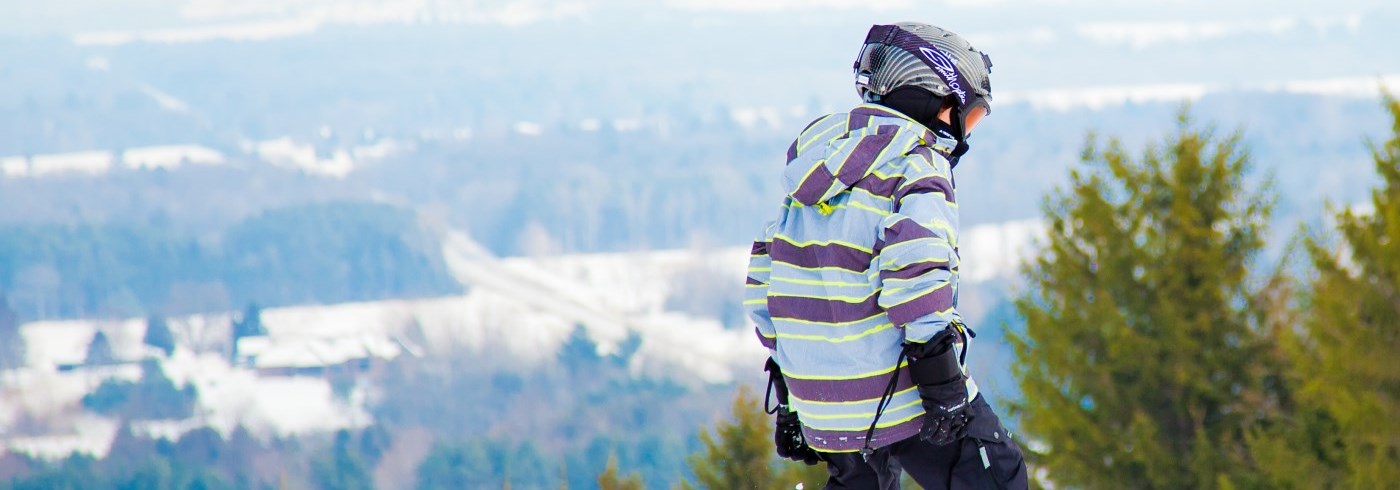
{"x": 987, "y": 459}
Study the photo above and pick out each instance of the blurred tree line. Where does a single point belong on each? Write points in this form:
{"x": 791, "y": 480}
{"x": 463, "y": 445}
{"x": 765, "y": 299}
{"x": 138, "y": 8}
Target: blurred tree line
{"x": 319, "y": 253}
{"x": 1160, "y": 353}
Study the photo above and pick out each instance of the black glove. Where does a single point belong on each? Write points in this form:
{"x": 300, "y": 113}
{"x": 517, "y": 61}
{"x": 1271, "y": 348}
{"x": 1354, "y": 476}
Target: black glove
{"x": 942, "y": 388}
{"x": 788, "y": 438}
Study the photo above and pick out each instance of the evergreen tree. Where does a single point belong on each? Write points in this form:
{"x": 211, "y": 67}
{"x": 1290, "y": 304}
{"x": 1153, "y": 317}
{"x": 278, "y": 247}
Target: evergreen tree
{"x": 450, "y": 466}
{"x": 344, "y": 468}
{"x": 248, "y": 325}
{"x": 158, "y": 335}
{"x": 610, "y": 480}
{"x": 741, "y": 456}
{"x": 1352, "y": 329}
{"x": 99, "y": 351}
{"x": 1143, "y": 361}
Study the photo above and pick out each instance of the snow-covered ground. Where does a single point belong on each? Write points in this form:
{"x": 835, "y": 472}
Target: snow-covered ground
{"x": 284, "y": 152}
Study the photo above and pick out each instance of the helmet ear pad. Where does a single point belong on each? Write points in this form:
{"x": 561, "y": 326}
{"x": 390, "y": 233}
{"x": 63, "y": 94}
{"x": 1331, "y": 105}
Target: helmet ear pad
{"x": 919, "y": 104}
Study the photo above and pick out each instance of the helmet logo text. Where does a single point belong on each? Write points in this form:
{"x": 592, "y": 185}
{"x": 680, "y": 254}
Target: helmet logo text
{"x": 944, "y": 66}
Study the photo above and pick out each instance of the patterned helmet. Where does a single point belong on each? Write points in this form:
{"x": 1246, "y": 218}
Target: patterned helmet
{"x": 923, "y": 56}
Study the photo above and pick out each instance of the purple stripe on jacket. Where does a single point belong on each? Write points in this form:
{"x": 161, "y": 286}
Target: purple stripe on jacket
{"x": 912, "y": 271}
{"x": 823, "y": 310}
{"x": 767, "y": 342}
{"x": 851, "y": 440}
{"x": 878, "y": 186}
{"x": 929, "y": 184}
{"x": 940, "y": 299}
{"x": 812, "y": 256}
{"x": 905, "y": 230}
{"x": 857, "y": 121}
{"x": 846, "y": 390}
{"x": 759, "y": 248}
{"x": 815, "y": 186}
{"x": 858, "y": 162}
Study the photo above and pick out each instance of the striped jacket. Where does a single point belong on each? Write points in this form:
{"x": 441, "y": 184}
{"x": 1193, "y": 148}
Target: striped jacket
{"x": 863, "y": 257}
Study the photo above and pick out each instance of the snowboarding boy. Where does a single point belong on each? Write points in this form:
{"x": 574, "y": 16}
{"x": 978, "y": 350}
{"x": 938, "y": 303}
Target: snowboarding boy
{"x": 854, "y": 287}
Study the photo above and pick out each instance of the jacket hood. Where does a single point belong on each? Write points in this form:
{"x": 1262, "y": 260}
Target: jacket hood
{"x": 838, "y": 150}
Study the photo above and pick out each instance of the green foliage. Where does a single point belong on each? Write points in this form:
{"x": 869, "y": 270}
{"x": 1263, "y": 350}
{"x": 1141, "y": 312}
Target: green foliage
{"x": 99, "y": 351}
{"x": 345, "y": 468}
{"x": 740, "y": 454}
{"x": 1347, "y": 354}
{"x": 154, "y": 396}
{"x": 456, "y": 466}
{"x": 158, "y": 335}
{"x": 1142, "y": 363}
{"x": 148, "y": 471}
{"x": 610, "y": 480}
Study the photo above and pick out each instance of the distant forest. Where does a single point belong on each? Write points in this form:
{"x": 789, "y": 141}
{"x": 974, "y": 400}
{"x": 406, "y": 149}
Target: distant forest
{"x": 317, "y": 253}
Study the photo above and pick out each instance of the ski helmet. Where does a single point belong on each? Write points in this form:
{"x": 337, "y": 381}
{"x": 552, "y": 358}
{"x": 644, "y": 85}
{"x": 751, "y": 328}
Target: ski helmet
{"x": 929, "y": 58}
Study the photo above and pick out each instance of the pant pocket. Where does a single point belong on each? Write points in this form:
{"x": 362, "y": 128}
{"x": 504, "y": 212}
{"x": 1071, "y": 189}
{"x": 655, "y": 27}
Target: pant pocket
{"x": 999, "y": 456}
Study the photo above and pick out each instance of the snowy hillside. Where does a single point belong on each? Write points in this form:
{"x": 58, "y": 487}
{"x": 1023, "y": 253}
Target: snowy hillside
{"x": 522, "y": 309}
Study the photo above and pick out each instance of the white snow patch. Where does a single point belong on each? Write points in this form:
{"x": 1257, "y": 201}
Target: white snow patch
{"x": 165, "y": 100}
{"x": 375, "y": 151}
{"x": 230, "y": 396}
{"x": 616, "y": 295}
{"x": 82, "y": 162}
{"x": 14, "y": 166}
{"x": 1101, "y": 97}
{"x": 1359, "y": 87}
{"x": 245, "y": 31}
{"x": 170, "y": 430}
{"x": 87, "y": 434}
{"x": 170, "y": 156}
{"x": 261, "y": 20}
{"x": 54, "y": 343}
{"x": 288, "y": 153}
{"x": 1140, "y": 35}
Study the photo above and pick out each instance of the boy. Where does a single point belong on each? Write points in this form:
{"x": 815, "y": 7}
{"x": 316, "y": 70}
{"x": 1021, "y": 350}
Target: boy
{"x": 854, "y": 287}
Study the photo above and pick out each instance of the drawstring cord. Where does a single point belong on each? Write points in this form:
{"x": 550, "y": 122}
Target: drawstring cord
{"x": 888, "y": 396}
{"x": 885, "y": 399}
{"x": 767, "y": 395}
